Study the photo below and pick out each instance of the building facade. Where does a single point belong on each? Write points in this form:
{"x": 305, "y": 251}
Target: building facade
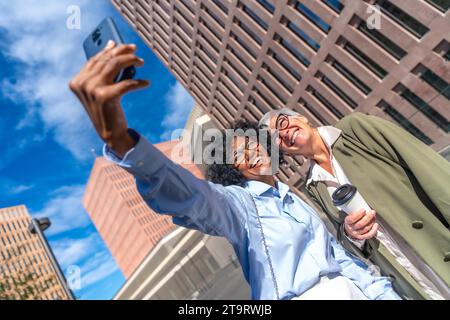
{"x": 26, "y": 268}
{"x": 187, "y": 265}
{"x": 323, "y": 58}
{"x": 129, "y": 228}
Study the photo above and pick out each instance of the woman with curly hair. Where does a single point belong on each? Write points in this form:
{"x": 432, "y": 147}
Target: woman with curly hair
{"x": 283, "y": 247}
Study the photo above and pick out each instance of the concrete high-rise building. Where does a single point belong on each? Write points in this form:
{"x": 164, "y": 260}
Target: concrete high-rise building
{"x": 320, "y": 57}
{"x": 187, "y": 264}
{"x": 28, "y": 269}
{"x": 129, "y": 228}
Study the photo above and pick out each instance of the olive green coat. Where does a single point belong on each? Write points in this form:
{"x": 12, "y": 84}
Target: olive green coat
{"x": 406, "y": 183}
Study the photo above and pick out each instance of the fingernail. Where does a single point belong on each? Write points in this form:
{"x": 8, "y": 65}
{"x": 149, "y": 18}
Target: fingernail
{"x": 110, "y": 44}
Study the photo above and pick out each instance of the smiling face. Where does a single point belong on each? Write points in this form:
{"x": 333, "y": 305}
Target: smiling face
{"x": 294, "y": 133}
{"x": 250, "y": 158}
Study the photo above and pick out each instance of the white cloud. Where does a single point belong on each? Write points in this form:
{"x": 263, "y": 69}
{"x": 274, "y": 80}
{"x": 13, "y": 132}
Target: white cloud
{"x": 49, "y": 54}
{"x": 71, "y": 251}
{"x": 179, "y": 105}
{"x": 85, "y": 253}
{"x": 97, "y": 268}
{"x": 20, "y": 188}
{"x": 12, "y": 187}
{"x": 65, "y": 210}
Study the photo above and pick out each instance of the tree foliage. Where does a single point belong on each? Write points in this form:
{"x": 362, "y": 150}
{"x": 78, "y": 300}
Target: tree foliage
{"x": 19, "y": 279}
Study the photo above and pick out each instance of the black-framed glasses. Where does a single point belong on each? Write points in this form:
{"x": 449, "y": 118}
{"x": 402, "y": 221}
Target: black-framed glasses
{"x": 282, "y": 122}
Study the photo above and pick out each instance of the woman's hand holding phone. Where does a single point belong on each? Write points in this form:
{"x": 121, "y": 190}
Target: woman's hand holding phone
{"x": 95, "y": 88}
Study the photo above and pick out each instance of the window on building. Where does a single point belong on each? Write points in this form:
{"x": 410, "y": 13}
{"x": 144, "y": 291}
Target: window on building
{"x": 207, "y": 52}
{"x": 402, "y": 18}
{"x": 447, "y": 55}
{"x": 351, "y": 77}
{"x": 244, "y": 45}
{"x": 313, "y": 111}
{"x": 249, "y": 31}
{"x": 221, "y": 5}
{"x": 262, "y": 96}
{"x": 442, "y": 86}
{"x": 210, "y": 41}
{"x": 213, "y": 15}
{"x": 303, "y": 35}
{"x": 187, "y": 4}
{"x": 285, "y": 65}
{"x": 267, "y": 5}
{"x": 186, "y": 19}
{"x": 238, "y": 56}
{"x": 294, "y": 51}
{"x": 272, "y": 90}
{"x": 336, "y": 5}
{"x": 237, "y": 70}
{"x": 382, "y": 41}
{"x": 365, "y": 60}
{"x": 279, "y": 78}
{"x": 443, "y": 49}
{"x": 330, "y": 84}
{"x": 425, "y": 108}
{"x": 257, "y": 110}
{"x": 327, "y": 104}
{"x": 442, "y": 5}
{"x": 212, "y": 30}
{"x": 405, "y": 123}
{"x": 313, "y": 17}
{"x": 255, "y": 17}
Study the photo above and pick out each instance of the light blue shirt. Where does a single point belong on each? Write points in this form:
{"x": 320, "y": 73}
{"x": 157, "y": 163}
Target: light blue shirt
{"x": 282, "y": 245}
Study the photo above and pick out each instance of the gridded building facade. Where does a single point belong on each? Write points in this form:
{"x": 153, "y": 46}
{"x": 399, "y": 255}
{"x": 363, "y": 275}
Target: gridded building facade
{"x": 24, "y": 261}
{"x": 320, "y": 57}
{"x": 129, "y": 228}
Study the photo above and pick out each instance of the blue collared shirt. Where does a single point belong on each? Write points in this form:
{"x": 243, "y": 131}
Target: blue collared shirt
{"x": 282, "y": 245}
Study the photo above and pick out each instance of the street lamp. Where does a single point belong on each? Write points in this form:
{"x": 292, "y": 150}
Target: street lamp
{"x": 42, "y": 224}
{"x": 38, "y": 226}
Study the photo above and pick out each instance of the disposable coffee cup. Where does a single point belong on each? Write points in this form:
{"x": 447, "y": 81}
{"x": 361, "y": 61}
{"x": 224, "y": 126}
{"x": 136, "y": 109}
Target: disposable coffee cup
{"x": 348, "y": 199}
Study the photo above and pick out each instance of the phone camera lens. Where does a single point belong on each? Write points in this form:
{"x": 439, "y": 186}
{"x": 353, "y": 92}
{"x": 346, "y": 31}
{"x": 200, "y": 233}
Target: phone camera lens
{"x": 99, "y": 42}
{"x": 96, "y": 35}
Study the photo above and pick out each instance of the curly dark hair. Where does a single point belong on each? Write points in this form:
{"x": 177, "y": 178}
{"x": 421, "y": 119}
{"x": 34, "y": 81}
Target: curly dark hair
{"x": 226, "y": 174}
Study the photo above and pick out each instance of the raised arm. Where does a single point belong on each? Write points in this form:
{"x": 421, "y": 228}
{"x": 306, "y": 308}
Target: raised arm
{"x": 100, "y": 96}
{"x": 166, "y": 187}
{"x": 170, "y": 189}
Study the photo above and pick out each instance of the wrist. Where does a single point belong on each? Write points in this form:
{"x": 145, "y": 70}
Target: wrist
{"x": 122, "y": 144}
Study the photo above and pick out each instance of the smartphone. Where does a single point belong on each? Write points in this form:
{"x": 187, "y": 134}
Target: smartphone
{"x": 97, "y": 41}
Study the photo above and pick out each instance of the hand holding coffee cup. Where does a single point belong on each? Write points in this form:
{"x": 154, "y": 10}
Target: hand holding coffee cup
{"x": 360, "y": 223}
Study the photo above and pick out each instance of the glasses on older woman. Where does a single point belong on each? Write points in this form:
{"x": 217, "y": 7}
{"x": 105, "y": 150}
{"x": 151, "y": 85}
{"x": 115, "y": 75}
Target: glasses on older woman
{"x": 282, "y": 122}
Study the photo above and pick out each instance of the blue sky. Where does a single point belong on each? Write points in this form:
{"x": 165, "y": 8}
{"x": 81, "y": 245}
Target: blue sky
{"x": 48, "y": 144}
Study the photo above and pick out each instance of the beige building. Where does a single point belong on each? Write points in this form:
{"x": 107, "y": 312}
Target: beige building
{"x": 26, "y": 261}
{"x": 241, "y": 58}
{"x": 129, "y": 228}
{"x": 187, "y": 264}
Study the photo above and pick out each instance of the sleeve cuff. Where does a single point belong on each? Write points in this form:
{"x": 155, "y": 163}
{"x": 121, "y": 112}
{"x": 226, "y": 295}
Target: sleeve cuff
{"x": 109, "y": 153}
{"x": 142, "y": 161}
{"x": 356, "y": 242}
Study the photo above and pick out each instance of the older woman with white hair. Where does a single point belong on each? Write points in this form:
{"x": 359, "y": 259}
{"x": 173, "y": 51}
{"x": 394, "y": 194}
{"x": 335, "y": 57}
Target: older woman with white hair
{"x": 404, "y": 225}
